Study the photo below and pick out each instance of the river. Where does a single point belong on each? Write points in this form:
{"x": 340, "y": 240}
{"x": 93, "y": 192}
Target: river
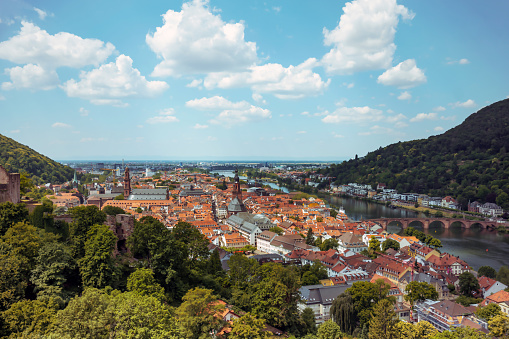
{"x": 231, "y": 174}
{"x": 477, "y": 247}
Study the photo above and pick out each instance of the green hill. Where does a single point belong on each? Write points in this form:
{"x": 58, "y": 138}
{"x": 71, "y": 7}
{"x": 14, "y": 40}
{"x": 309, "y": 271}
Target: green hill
{"x": 469, "y": 162}
{"x": 16, "y": 157}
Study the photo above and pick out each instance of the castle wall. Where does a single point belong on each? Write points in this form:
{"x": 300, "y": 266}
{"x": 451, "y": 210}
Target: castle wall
{"x": 9, "y": 186}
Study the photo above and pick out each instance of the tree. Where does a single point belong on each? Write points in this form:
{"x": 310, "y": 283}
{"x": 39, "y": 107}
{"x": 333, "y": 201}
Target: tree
{"x": 53, "y": 265}
{"x": 487, "y": 271}
{"x": 248, "y": 327}
{"x": 468, "y": 283}
{"x": 461, "y": 333}
{"x": 390, "y": 243}
{"x": 374, "y": 245}
{"x": 366, "y": 295}
{"x": 112, "y": 210}
{"x": 329, "y": 330}
{"x": 11, "y": 214}
{"x": 383, "y": 321}
{"x": 343, "y": 312}
{"x": 503, "y": 275}
{"x": 328, "y": 244}
{"x": 308, "y": 278}
{"x": 488, "y": 312}
{"x": 433, "y": 242}
{"x": 310, "y": 239}
{"x": 83, "y": 218}
{"x": 28, "y": 317}
{"x": 197, "y": 314}
{"x": 499, "y": 326}
{"x": 277, "y": 230}
{"x": 308, "y": 318}
{"x": 96, "y": 267}
{"x": 142, "y": 282}
{"x": 12, "y": 279}
{"x": 214, "y": 265}
{"x": 148, "y": 238}
{"x": 420, "y": 330}
{"x": 420, "y": 291}
{"x": 85, "y": 317}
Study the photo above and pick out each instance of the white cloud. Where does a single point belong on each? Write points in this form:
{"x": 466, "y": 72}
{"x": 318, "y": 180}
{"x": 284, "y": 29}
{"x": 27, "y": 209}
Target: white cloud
{"x": 301, "y": 132}
{"x": 31, "y": 77}
{"x": 198, "y": 126}
{"x": 405, "y": 96}
{"x": 259, "y": 98}
{"x": 424, "y": 116}
{"x": 467, "y": 104}
{"x": 211, "y": 138}
{"x": 232, "y": 113}
{"x": 438, "y": 129}
{"x": 110, "y": 83}
{"x": 335, "y": 135}
{"x": 292, "y": 82}
{"x": 400, "y": 124}
{"x": 42, "y": 14}
{"x": 364, "y": 37}
{"x": 195, "y": 83}
{"x": 396, "y": 118}
{"x": 60, "y": 125}
{"x": 195, "y": 40}
{"x": 14, "y": 131}
{"x": 460, "y": 62}
{"x": 404, "y": 75}
{"x": 216, "y": 103}
{"x": 165, "y": 116}
{"x": 354, "y": 115}
{"x": 33, "y": 45}
{"x": 439, "y": 109}
{"x": 83, "y": 112}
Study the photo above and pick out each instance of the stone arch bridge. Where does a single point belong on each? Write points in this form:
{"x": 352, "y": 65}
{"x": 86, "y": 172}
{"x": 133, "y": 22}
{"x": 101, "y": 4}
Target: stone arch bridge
{"x": 445, "y": 222}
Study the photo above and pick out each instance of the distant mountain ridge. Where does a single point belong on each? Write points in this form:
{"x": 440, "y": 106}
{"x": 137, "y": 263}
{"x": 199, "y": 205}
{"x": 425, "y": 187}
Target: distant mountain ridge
{"x": 16, "y": 157}
{"x": 469, "y": 161}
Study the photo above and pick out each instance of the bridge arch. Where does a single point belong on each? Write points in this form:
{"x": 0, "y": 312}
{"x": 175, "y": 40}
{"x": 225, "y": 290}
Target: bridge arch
{"x": 433, "y": 223}
{"x": 419, "y": 223}
{"x": 461, "y": 223}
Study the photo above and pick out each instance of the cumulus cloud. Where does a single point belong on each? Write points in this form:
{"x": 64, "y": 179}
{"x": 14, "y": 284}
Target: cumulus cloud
{"x": 32, "y": 77}
{"x": 231, "y": 113}
{"x": 467, "y": 104}
{"x": 364, "y": 37}
{"x": 438, "y": 129}
{"x": 165, "y": 116}
{"x": 353, "y": 115}
{"x": 439, "y": 109}
{"x": 195, "y": 40}
{"x": 404, "y": 75}
{"x": 60, "y": 125}
{"x": 292, "y": 82}
{"x": 405, "y": 96}
{"x": 396, "y": 118}
{"x": 110, "y": 83}
{"x": 424, "y": 116}
{"x": 33, "y": 45}
{"x": 15, "y": 131}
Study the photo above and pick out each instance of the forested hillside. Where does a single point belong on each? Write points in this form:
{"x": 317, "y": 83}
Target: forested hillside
{"x": 469, "y": 162}
{"x": 16, "y": 157}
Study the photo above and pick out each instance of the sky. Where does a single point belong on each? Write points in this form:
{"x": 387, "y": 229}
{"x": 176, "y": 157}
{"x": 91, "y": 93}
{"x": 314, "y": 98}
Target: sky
{"x": 244, "y": 80}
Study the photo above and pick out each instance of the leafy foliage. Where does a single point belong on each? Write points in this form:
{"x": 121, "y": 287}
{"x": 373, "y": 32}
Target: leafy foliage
{"x": 18, "y": 158}
{"x": 420, "y": 291}
{"x": 469, "y": 162}
{"x": 468, "y": 283}
{"x": 487, "y": 271}
{"x": 489, "y": 311}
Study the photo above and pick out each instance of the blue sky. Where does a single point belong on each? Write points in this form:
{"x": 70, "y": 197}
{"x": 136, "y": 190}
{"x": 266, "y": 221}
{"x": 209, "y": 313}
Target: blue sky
{"x": 249, "y": 79}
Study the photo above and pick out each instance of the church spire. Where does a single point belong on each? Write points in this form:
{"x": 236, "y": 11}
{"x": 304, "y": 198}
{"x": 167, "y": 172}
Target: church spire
{"x": 127, "y": 183}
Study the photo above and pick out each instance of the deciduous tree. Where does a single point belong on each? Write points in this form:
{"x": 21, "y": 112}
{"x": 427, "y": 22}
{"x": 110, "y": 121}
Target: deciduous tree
{"x": 420, "y": 291}
{"x": 468, "y": 283}
{"x": 383, "y": 321}
{"x": 248, "y": 327}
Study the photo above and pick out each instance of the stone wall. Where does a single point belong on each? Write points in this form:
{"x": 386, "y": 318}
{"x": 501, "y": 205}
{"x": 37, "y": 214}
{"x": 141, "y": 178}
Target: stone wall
{"x": 9, "y": 186}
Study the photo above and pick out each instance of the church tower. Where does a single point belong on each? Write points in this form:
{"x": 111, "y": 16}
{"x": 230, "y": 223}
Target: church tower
{"x": 236, "y": 205}
{"x": 127, "y": 183}
{"x": 237, "y": 192}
